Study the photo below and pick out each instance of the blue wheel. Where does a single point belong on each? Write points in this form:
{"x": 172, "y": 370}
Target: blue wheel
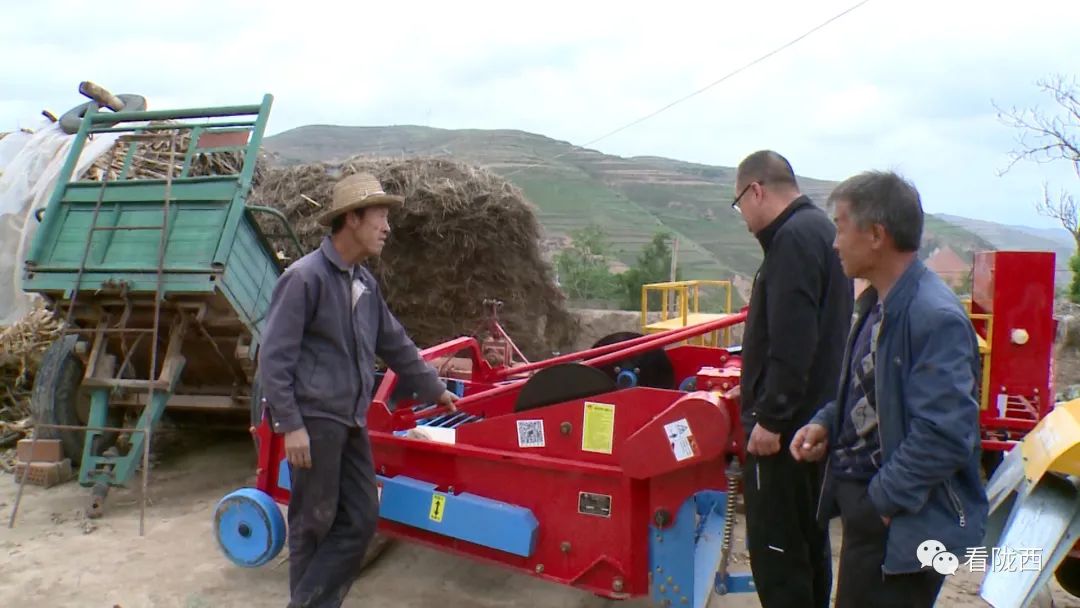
{"x": 689, "y": 384}
{"x": 249, "y": 527}
{"x": 626, "y": 379}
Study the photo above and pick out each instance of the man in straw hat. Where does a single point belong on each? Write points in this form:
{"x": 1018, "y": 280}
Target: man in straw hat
{"x": 326, "y": 324}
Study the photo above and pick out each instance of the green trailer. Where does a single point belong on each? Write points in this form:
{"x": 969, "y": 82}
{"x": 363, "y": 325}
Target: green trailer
{"x": 162, "y": 283}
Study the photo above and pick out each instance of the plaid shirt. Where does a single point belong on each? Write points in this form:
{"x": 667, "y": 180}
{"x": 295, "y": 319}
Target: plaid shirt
{"x": 857, "y": 453}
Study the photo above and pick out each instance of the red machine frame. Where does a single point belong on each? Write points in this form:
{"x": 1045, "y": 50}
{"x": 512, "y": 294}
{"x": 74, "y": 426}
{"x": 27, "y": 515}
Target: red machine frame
{"x": 1012, "y": 309}
{"x": 590, "y": 508}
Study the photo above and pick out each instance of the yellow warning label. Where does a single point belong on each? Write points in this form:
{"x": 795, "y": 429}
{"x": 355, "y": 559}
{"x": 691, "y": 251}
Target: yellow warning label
{"x": 438, "y": 505}
{"x": 598, "y": 429}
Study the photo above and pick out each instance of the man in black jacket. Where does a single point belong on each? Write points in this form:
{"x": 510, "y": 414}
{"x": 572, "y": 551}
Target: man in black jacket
{"x": 793, "y": 345}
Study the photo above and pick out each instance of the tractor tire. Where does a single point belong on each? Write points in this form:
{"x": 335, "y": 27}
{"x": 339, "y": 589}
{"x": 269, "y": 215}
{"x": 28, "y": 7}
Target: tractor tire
{"x": 71, "y": 120}
{"x": 57, "y": 398}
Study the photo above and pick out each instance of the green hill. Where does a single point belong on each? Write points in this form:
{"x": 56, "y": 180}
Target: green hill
{"x": 631, "y": 198}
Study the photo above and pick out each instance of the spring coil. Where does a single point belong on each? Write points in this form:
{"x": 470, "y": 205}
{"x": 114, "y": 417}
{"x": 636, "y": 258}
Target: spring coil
{"x": 733, "y": 475}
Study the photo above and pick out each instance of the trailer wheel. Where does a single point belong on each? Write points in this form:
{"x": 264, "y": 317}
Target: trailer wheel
{"x": 249, "y": 527}
{"x": 57, "y": 398}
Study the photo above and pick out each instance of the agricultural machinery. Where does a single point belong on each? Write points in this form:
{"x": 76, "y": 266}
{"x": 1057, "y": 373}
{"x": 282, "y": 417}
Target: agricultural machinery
{"x": 569, "y": 469}
{"x": 160, "y": 275}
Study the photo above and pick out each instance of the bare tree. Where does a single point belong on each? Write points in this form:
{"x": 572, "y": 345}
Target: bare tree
{"x": 1046, "y": 138}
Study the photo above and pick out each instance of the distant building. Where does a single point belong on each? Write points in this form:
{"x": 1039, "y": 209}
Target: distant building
{"x": 949, "y": 266}
{"x": 944, "y": 261}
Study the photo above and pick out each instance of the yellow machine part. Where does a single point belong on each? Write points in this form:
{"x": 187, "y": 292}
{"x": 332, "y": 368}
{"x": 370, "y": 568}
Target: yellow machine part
{"x": 686, "y": 296}
{"x": 1054, "y": 444}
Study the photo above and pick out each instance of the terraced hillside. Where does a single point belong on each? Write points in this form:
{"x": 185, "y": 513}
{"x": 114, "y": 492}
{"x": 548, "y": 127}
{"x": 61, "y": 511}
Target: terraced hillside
{"x": 631, "y": 198}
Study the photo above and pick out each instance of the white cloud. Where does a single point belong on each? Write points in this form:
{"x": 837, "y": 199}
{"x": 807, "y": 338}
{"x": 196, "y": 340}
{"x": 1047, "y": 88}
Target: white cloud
{"x": 907, "y": 85}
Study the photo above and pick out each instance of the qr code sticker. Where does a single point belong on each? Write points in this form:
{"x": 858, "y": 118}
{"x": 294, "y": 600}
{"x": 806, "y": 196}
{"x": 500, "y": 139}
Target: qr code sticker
{"x": 530, "y": 433}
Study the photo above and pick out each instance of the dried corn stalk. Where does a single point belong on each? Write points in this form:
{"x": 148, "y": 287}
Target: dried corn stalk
{"x": 151, "y": 159}
{"x": 22, "y": 347}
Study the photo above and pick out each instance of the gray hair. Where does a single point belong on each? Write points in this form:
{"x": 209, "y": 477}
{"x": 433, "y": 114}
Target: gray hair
{"x": 883, "y": 197}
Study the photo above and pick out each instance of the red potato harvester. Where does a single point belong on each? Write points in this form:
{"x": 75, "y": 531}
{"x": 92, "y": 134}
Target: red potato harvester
{"x": 566, "y": 469}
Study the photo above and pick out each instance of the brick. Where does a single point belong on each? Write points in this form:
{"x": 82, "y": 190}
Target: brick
{"x": 45, "y": 450}
{"x": 46, "y": 474}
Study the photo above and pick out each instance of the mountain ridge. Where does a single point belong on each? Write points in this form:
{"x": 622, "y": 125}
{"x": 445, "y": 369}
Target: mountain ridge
{"x": 631, "y": 197}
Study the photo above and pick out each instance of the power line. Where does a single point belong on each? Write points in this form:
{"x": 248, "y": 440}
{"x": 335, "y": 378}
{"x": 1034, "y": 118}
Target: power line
{"x": 706, "y": 87}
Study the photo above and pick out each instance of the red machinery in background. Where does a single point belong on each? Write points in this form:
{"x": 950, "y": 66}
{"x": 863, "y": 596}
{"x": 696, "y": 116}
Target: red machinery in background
{"x": 569, "y": 469}
{"x": 1012, "y": 309}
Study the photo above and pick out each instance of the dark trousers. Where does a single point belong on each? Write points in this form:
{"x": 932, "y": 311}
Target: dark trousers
{"x": 333, "y": 513}
{"x": 860, "y": 581}
{"x": 790, "y": 557}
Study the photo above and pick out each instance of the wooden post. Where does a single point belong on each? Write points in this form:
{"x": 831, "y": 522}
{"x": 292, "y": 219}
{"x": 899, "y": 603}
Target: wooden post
{"x": 100, "y": 95}
{"x": 674, "y": 257}
{"x": 674, "y": 265}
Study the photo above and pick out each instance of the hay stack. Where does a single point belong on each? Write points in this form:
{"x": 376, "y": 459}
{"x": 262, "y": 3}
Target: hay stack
{"x": 464, "y": 235}
{"x": 22, "y": 346}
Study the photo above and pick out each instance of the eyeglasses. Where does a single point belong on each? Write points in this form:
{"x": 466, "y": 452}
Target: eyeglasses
{"x": 735, "y": 203}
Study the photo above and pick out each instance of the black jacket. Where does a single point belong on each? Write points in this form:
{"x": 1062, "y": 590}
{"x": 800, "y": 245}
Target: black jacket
{"x": 800, "y": 312}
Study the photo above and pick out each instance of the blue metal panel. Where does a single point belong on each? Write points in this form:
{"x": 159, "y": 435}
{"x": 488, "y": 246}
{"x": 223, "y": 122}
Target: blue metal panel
{"x": 467, "y": 517}
{"x": 740, "y": 582}
{"x": 284, "y": 481}
{"x": 684, "y": 558}
{"x": 455, "y": 386}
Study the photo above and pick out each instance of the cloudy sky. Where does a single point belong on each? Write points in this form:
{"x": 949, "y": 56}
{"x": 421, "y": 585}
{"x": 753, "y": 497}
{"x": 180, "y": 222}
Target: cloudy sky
{"x": 908, "y": 85}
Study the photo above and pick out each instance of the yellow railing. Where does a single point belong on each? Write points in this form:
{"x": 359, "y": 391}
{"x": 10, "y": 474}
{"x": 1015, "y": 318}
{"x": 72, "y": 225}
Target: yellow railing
{"x": 984, "y": 350}
{"x": 687, "y": 295}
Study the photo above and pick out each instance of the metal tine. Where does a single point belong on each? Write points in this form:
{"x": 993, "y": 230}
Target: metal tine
{"x": 467, "y": 419}
{"x": 437, "y": 420}
{"x": 449, "y": 423}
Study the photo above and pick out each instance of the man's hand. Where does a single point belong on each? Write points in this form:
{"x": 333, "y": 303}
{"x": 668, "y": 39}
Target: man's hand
{"x": 763, "y": 442}
{"x": 886, "y": 520}
{"x": 734, "y": 393}
{"x": 810, "y": 443}
{"x": 447, "y": 399}
{"x": 298, "y": 448}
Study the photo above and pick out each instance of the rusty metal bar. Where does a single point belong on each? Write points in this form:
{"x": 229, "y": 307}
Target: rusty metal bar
{"x": 72, "y": 427}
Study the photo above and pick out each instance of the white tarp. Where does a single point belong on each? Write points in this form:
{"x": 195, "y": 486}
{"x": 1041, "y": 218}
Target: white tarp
{"x": 29, "y": 166}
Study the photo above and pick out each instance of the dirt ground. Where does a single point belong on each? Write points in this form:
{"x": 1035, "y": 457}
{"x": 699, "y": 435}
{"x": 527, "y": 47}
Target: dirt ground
{"x": 55, "y": 557}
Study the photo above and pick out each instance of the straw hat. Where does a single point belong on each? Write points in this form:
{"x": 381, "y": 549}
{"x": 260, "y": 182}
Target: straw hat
{"x": 356, "y": 192}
